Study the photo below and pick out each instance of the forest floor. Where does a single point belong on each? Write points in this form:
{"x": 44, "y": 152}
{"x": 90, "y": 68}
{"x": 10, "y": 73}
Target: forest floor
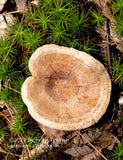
{"x": 20, "y": 136}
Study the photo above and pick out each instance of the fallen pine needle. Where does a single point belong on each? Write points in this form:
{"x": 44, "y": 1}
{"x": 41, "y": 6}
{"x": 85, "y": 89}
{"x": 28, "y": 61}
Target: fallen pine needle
{"x": 92, "y": 145}
{"x": 118, "y": 77}
{"x": 6, "y": 117}
{"x": 11, "y": 89}
{"x": 3, "y": 151}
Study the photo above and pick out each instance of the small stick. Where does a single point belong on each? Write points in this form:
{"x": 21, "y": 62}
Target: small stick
{"x": 9, "y": 110}
{"x": 92, "y": 146}
{"x": 118, "y": 77}
{"x": 3, "y": 30}
{"x": 2, "y": 151}
{"x": 11, "y": 89}
{"x": 25, "y": 147}
{"x": 78, "y": 136}
{"x": 4, "y": 14}
{"x": 32, "y": 15}
{"x": 16, "y": 34}
{"x": 9, "y": 105}
{"x": 6, "y": 117}
{"x": 31, "y": 12}
{"x": 108, "y": 49}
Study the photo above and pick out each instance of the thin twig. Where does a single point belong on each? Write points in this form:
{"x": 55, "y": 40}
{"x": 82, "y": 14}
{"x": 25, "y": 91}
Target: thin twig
{"x": 11, "y": 89}
{"x": 6, "y": 117}
{"x": 31, "y": 12}
{"x": 106, "y": 10}
{"x": 2, "y": 151}
{"x": 108, "y": 49}
{"x": 25, "y": 147}
{"x": 118, "y": 77}
{"x": 92, "y": 145}
{"x": 6, "y": 149}
{"x": 16, "y": 34}
{"x": 4, "y": 14}
{"x": 3, "y": 30}
{"x": 9, "y": 105}
{"x": 78, "y": 136}
{"x": 9, "y": 110}
{"x": 32, "y": 16}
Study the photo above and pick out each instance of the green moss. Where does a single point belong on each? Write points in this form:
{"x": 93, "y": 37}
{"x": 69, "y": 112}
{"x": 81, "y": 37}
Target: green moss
{"x": 117, "y": 69}
{"x": 98, "y": 18}
{"x": 19, "y": 126}
{"x": 118, "y": 151}
{"x": 65, "y": 22}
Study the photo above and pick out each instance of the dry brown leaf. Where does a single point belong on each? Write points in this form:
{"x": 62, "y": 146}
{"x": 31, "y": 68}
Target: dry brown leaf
{"x": 4, "y": 24}
{"x": 84, "y": 150}
{"x": 21, "y": 5}
{"x": 35, "y": 3}
{"x": 107, "y": 127}
{"x": 91, "y": 156}
{"x": 2, "y": 3}
{"x": 77, "y": 151}
{"x": 2, "y": 150}
{"x": 107, "y": 13}
{"x": 90, "y": 135}
{"x": 105, "y": 9}
{"x": 103, "y": 140}
{"x": 113, "y": 35}
{"x": 2, "y": 104}
{"x": 106, "y": 140}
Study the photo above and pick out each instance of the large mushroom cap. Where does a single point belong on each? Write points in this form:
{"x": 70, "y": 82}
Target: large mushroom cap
{"x": 68, "y": 88}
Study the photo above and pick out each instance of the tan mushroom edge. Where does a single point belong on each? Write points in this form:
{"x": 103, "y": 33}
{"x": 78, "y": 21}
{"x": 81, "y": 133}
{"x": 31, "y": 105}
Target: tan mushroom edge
{"x": 97, "y": 102}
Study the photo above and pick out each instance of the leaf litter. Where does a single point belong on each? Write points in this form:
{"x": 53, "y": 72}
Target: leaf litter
{"x": 101, "y": 138}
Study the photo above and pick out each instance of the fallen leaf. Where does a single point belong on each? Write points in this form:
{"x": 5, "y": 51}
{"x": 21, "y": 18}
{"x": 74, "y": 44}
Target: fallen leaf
{"x": 3, "y": 27}
{"x": 2, "y": 3}
{"x": 2, "y": 104}
{"x": 107, "y": 13}
{"x": 106, "y": 140}
{"x": 21, "y": 5}
{"x": 91, "y": 156}
{"x": 90, "y": 135}
{"x": 77, "y": 151}
{"x": 100, "y": 140}
{"x": 4, "y": 24}
{"x": 35, "y": 3}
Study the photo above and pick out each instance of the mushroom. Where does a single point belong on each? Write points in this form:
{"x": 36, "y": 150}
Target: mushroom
{"x": 68, "y": 89}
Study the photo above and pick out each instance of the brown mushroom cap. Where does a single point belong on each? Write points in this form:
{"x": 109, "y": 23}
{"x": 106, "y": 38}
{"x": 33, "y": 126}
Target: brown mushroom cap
{"x": 68, "y": 89}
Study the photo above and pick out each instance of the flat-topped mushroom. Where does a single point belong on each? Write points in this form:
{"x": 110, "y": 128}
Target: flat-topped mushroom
{"x": 68, "y": 89}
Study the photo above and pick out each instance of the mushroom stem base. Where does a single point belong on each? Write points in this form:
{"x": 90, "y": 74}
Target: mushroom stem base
{"x": 52, "y": 133}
